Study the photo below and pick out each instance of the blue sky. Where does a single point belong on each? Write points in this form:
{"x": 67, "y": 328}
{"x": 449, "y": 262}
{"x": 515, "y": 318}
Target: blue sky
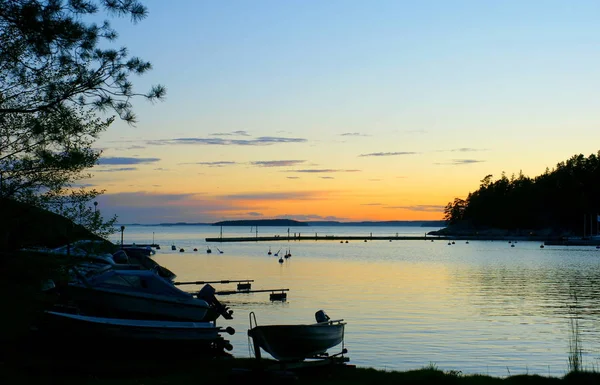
{"x": 347, "y": 110}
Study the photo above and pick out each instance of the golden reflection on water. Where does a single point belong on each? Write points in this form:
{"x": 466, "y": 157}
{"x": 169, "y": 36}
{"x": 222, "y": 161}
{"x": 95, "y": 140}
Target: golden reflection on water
{"x": 479, "y": 308}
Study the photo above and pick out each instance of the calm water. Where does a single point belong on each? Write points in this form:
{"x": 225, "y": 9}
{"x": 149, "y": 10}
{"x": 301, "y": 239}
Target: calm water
{"x": 481, "y": 307}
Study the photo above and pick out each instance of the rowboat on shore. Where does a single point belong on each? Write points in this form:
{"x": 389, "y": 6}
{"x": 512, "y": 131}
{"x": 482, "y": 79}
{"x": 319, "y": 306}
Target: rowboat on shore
{"x": 290, "y": 343}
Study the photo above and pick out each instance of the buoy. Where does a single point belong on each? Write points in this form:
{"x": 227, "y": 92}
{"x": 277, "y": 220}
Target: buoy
{"x": 181, "y": 250}
{"x": 195, "y": 249}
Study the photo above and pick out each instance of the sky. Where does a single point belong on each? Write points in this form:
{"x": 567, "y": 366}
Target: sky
{"x": 346, "y": 110}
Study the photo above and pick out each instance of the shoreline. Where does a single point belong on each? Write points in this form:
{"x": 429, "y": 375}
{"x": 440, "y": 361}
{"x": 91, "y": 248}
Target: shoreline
{"x": 427, "y": 237}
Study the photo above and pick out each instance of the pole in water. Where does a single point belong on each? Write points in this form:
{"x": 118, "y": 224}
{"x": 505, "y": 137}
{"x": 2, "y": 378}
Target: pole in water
{"x": 122, "y": 229}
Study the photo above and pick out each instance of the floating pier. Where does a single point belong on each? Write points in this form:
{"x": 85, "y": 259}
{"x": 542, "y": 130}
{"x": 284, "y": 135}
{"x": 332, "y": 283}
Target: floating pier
{"x": 276, "y": 294}
{"x": 317, "y": 237}
{"x": 153, "y": 245}
{"x": 273, "y": 291}
{"x": 371, "y": 237}
{"x": 223, "y": 281}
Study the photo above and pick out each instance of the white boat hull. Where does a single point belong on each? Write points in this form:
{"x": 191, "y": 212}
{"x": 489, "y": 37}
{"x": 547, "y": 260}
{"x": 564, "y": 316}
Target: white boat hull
{"x": 297, "y": 342}
{"x": 104, "y": 301}
{"x": 119, "y": 336}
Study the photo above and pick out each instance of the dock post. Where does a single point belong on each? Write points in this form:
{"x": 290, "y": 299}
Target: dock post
{"x": 256, "y": 349}
{"x": 122, "y": 229}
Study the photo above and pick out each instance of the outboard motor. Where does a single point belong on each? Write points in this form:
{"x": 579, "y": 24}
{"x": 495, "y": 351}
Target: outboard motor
{"x": 207, "y": 293}
{"x": 321, "y": 316}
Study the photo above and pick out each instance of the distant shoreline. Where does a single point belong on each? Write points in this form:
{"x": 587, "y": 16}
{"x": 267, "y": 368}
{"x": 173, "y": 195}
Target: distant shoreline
{"x": 291, "y": 223}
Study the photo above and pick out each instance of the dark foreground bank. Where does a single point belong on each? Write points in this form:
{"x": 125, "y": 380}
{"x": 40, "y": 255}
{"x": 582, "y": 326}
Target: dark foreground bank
{"x": 127, "y": 366}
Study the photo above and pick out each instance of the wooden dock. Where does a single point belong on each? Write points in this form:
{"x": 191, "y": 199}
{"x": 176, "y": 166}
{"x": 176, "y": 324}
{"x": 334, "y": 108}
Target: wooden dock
{"x": 152, "y": 245}
{"x": 229, "y": 292}
{"x": 370, "y": 237}
{"x": 338, "y": 238}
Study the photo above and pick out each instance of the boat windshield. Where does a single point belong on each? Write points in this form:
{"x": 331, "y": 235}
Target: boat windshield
{"x": 137, "y": 280}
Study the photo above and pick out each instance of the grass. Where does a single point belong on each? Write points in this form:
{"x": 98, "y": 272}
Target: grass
{"x": 575, "y": 348}
{"x": 51, "y": 366}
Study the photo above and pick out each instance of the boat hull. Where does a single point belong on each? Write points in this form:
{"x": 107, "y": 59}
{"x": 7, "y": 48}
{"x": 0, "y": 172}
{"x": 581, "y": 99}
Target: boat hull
{"x": 114, "y": 303}
{"x": 297, "y": 342}
{"x": 145, "y": 335}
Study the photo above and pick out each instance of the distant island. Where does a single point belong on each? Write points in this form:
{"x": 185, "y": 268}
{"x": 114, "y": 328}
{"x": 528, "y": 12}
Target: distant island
{"x": 294, "y": 223}
{"x": 262, "y": 222}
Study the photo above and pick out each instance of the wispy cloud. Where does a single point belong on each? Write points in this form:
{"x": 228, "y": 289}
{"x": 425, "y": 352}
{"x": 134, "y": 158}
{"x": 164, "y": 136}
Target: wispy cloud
{"x": 213, "y": 164}
{"x": 459, "y": 162}
{"x": 232, "y": 133}
{"x": 370, "y": 204}
{"x": 390, "y": 153}
{"x": 311, "y": 217}
{"x": 261, "y": 141}
{"x": 354, "y": 134}
{"x": 116, "y": 169}
{"x": 422, "y": 208}
{"x": 276, "y": 163}
{"x": 274, "y": 196}
{"x": 125, "y": 160}
{"x": 293, "y": 177}
{"x": 327, "y": 177}
{"x": 316, "y": 170}
{"x": 148, "y": 207}
{"x": 466, "y": 149}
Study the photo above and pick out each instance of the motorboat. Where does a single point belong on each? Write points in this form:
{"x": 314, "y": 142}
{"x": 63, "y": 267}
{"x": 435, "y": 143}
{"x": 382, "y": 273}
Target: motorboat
{"x": 289, "y": 343}
{"x": 96, "y": 254}
{"x": 102, "y": 331}
{"x": 138, "y": 294}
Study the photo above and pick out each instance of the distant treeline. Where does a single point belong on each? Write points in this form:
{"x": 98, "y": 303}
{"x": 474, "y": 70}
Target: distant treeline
{"x": 261, "y": 222}
{"x": 290, "y": 223}
{"x": 380, "y": 223}
{"x": 565, "y": 199}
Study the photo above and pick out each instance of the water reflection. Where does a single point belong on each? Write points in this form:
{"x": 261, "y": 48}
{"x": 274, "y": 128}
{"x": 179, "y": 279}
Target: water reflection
{"x": 482, "y": 307}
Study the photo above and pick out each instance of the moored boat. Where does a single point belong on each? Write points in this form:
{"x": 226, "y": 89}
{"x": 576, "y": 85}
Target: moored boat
{"x": 297, "y": 342}
{"x": 96, "y": 331}
{"x": 137, "y": 294}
